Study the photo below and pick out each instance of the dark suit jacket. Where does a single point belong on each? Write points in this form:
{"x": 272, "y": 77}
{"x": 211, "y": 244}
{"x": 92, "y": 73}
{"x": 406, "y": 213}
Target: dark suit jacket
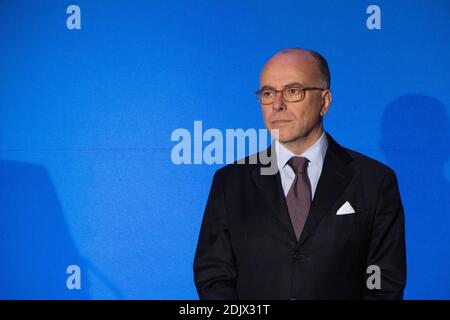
{"x": 247, "y": 247}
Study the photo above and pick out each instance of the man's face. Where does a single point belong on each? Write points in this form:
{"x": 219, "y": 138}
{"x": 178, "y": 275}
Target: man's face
{"x": 294, "y": 120}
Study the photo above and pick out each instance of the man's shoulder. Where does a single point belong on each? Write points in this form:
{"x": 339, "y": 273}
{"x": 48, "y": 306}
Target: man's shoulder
{"x": 357, "y": 160}
{"x": 368, "y": 164}
{"x": 244, "y": 167}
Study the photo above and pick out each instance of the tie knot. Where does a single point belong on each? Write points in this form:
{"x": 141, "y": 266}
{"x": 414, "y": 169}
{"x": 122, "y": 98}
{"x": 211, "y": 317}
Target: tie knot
{"x": 298, "y": 164}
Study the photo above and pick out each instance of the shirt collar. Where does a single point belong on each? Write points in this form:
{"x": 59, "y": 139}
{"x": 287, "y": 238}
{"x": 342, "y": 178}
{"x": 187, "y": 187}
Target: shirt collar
{"x": 315, "y": 154}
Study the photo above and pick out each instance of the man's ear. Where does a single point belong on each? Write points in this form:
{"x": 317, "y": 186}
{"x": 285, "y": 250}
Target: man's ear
{"x": 326, "y": 101}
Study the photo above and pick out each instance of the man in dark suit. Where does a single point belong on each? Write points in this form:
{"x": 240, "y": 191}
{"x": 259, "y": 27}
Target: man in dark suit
{"x": 325, "y": 226}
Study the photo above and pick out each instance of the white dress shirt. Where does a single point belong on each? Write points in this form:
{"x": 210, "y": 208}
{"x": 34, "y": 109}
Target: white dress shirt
{"x": 315, "y": 154}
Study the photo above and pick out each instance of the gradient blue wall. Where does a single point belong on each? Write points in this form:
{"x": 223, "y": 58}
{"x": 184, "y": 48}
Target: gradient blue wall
{"x": 86, "y": 118}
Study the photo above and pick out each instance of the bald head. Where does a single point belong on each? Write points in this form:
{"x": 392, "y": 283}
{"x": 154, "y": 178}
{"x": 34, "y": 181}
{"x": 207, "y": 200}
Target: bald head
{"x": 313, "y": 64}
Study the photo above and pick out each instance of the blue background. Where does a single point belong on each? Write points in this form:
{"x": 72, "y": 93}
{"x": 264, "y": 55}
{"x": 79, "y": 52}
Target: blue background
{"x": 86, "y": 117}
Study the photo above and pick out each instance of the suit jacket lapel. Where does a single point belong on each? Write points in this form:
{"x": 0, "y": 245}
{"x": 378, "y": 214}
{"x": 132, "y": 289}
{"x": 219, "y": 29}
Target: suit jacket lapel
{"x": 271, "y": 189}
{"x": 335, "y": 176}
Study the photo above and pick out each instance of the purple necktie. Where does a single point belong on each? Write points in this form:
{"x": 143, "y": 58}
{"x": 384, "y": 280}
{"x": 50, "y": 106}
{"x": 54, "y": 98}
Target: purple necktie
{"x": 298, "y": 198}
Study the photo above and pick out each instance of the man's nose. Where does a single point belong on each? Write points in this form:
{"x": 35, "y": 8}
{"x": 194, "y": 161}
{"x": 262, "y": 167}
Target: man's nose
{"x": 278, "y": 103}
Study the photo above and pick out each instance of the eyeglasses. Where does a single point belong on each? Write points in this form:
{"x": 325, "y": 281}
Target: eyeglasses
{"x": 289, "y": 94}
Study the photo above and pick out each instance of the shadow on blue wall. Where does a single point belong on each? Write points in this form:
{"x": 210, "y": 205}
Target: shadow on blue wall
{"x": 35, "y": 244}
{"x": 416, "y": 142}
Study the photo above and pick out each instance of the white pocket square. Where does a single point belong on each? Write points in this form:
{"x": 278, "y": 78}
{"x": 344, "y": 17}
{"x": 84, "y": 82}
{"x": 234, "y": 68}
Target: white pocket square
{"x": 346, "y": 208}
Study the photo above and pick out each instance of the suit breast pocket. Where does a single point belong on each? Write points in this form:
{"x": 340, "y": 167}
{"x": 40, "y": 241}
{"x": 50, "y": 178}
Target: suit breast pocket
{"x": 343, "y": 220}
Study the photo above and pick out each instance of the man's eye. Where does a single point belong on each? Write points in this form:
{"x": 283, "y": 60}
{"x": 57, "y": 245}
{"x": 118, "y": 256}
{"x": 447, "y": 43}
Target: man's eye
{"x": 267, "y": 94}
{"x": 294, "y": 91}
